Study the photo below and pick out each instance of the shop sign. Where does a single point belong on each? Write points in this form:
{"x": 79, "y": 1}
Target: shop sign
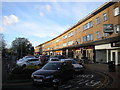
{"x": 108, "y": 28}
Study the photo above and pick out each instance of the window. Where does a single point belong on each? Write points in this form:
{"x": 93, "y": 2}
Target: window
{"x": 90, "y": 37}
{"x": 105, "y": 34}
{"x": 78, "y": 40}
{"x": 90, "y": 24}
{"x": 65, "y": 36}
{"x": 98, "y": 34}
{"x": 78, "y": 30}
{"x": 70, "y": 43}
{"x": 64, "y": 44}
{"x": 98, "y": 20}
{"x": 105, "y": 17}
{"x": 116, "y": 11}
{"x": 117, "y": 28}
{"x": 87, "y": 25}
{"x": 84, "y": 38}
{"x": 57, "y": 46}
{"x": 57, "y": 40}
{"x": 70, "y": 34}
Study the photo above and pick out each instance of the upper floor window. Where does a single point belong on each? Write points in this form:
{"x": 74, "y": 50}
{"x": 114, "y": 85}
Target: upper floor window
{"x": 87, "y": 25}
{"x": 105, "y": 17}
{"x": 105, "y": 34}
{"x": 117, "y": 28}
{"x": 116, "y": 11}
{"x": 84, "y": 38}
{"x": 88, "y": 38}
{"x": 78, "y": 30}
{"x": 98, "y": 34}
{"x": 70, "y": 34}
{"x": 64, "y": 44}
{"x": 78, "y": 40}
{"x": 57, "y": 40}
{"x": 98, "y": 20}
{"x": 70, "y": 43}
{"x": 65, "y": 36}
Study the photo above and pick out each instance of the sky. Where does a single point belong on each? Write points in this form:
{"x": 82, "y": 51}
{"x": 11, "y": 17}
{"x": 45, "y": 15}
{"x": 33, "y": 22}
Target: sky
{"x": 41, "y": 21}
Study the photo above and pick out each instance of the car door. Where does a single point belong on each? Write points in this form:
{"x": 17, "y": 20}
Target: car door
{"x": 33, "y": 61}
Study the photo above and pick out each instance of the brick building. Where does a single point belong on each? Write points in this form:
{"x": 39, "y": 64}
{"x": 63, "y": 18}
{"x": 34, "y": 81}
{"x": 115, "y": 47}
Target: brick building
{"x": 95, "y": 37}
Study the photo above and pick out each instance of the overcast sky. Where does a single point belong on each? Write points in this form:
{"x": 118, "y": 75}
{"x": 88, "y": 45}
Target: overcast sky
{"x": 41, "y": 21}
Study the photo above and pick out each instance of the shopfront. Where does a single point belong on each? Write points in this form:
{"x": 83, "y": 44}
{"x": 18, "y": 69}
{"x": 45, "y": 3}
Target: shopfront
{"x": 106, "y": 53}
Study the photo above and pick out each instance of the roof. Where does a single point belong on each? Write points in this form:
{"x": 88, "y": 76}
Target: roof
{"x": 101, "y": 8}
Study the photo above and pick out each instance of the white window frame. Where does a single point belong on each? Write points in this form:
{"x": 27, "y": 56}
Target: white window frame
{"x": 105, "y": 17}
{"x": 78, "y": 30}
{"x": 70, "y": 43}
{"x": 116, "y": 11}
{"x": 98, "y": 20}
{"x": 105, "y": 34}
{"x": 70, "y": 34}
{"x": 65, "y": 36}
{"x": 98, "y": 34}
{"x": 117, "y": 28}
{"x": 64, "y": 44}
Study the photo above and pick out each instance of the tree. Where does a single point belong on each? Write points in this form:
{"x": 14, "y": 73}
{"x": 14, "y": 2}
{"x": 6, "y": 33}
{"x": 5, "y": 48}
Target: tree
{"x": 2, "y": 45}
{"x": 22, "y": 47}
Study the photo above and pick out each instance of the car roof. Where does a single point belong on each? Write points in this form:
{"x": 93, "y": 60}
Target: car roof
{"x": 68, "y": 59}
{"x": 55, "y": 62}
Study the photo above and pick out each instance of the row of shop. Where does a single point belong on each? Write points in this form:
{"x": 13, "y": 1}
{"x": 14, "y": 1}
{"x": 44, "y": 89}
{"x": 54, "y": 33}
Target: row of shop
{"x": 101, "y": 53}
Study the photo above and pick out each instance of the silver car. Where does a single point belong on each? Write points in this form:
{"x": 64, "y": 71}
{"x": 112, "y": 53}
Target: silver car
{"x": 28, "y": 61}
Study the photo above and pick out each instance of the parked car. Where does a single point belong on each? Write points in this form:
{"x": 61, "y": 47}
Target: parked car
{"x": 53, "y": 59}
{"x": 60, "y": 56}
{"x": 28, "y": 61}
{"x": 79, "y": 68}
{"x": 43, "y": 59}
{"x": 53, "y": 72}
{"x": 28, "y": 57}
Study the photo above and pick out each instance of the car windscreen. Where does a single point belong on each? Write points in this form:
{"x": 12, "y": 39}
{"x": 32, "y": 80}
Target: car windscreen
{"x": 54, "y": 59}
{"x": 52, "y": 66}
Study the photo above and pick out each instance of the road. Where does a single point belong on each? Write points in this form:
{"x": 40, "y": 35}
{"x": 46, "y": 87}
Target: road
{"x": 89, "y": 79}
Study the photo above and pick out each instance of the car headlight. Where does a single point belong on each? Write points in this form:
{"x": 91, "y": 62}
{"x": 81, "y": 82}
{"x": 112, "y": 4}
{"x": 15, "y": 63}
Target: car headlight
{"x": 50, "y": 76}
{"x": 32, "y": 75}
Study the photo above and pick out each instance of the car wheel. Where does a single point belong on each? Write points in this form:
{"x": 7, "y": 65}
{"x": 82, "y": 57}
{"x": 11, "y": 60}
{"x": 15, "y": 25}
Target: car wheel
{"x": 57, "y": 82}
{"x": 73, "y": 76}
{"x": 24, "y": 65}
{"x": 38, "y": 64}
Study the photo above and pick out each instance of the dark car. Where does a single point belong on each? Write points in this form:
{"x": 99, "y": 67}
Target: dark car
{"x": 79, "y": 68}
{"x": 53, "y": 72}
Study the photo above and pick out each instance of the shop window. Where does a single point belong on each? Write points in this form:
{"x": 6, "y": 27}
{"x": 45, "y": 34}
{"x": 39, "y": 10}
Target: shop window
{"x": 116, "y": 11}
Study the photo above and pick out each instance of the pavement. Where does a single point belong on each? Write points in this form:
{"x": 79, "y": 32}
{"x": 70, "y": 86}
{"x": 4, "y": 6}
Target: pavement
{"x": 115, "y": 75}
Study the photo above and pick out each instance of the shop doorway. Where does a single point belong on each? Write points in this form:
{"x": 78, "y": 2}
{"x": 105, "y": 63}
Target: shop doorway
{"x": 114, "y": 56}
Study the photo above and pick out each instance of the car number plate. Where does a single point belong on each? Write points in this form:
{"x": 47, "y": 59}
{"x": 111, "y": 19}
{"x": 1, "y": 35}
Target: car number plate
{"x": 38, "y": 80}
